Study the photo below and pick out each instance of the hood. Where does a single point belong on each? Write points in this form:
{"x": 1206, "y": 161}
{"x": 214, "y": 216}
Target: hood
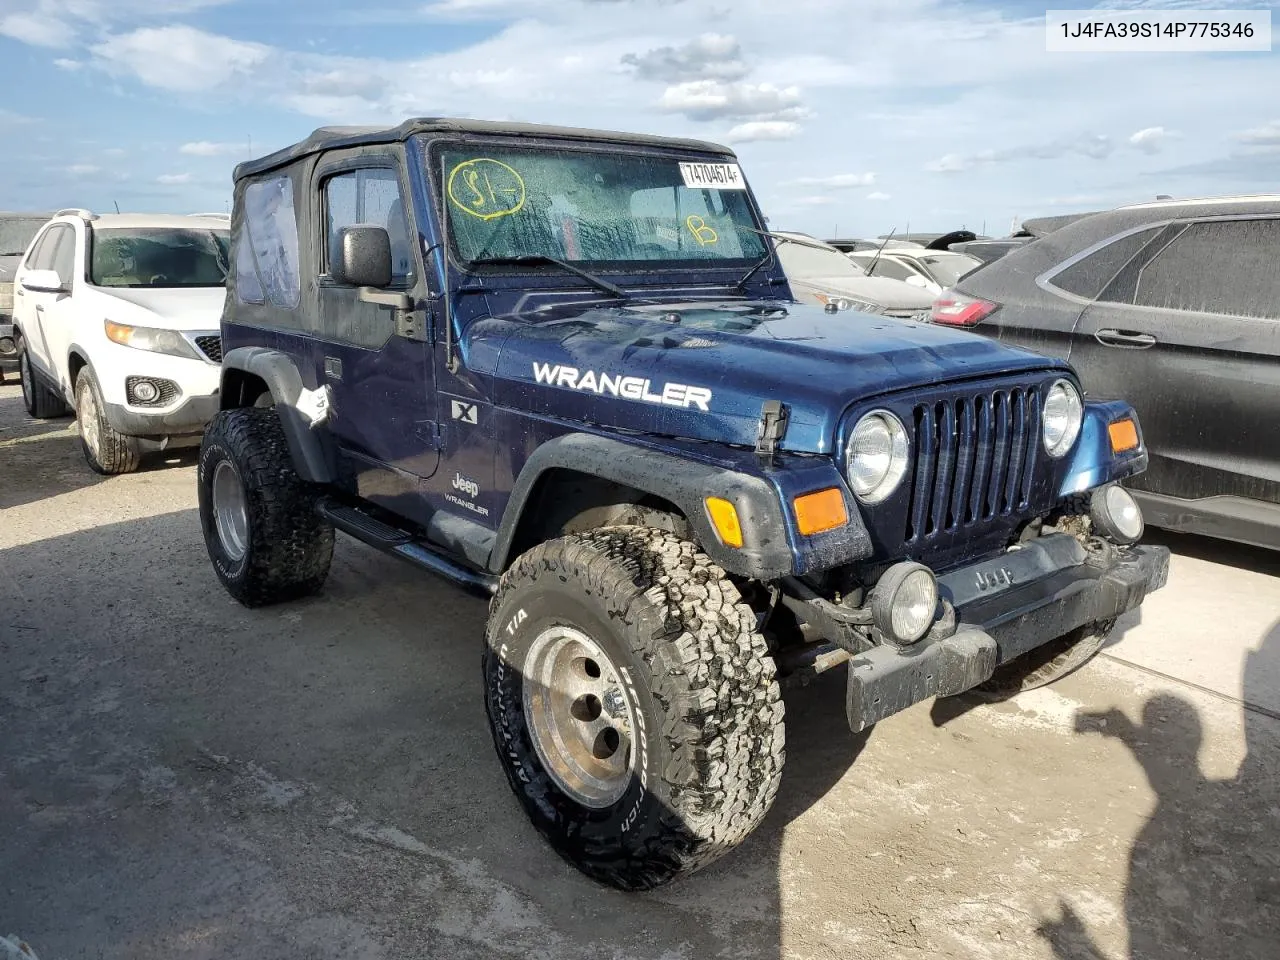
{"x": 892, "y": 294}
{"x": 180, "y": 308}
{"x": 705, "y": 375}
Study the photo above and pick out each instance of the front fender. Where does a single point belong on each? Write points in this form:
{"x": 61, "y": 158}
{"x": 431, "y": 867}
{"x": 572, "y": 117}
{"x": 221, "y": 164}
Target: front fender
{"x": 771, "y": 546}
{"x": 1092, "y": 462}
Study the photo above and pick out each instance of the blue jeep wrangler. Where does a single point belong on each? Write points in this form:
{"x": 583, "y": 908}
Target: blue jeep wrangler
{"x": 564, "y": 369}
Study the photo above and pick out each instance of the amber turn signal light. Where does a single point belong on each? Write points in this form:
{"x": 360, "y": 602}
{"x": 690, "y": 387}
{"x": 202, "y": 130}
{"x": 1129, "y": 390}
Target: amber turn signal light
{"x": 1124, "y": 436}
{"x": 724, "y": 516}
{"x": 821, "y": 511}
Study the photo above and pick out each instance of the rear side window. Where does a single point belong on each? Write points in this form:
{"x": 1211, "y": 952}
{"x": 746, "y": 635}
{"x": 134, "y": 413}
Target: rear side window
{"x": 41, "y": 257}
{"x": 1089, "y": 277}
{"x": 1228, "y": 267}
{"x": 884, "y": 267}
{"x": 267, "y": 245}
{"x": 64, "y": 254}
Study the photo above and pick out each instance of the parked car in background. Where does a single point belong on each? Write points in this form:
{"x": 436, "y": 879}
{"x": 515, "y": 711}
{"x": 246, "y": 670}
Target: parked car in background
{"x": 932, "y": 270}
{"x": 1175, "y": 307}
{"x": 853, "y": 246}
{"x": 116, "y": 317}
{"x": 17, "y": 230}
{"x": 989, "y": 251}
{"x": 819, "y": 273}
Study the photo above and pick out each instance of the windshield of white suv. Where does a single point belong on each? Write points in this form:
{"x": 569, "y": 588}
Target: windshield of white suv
{"x": 596, "y": 208}
{"x": 16, "y": 233}
{"x": 947, "y": 268}
{"x": 802, "y": 260}
{"x": 158, "y": 257}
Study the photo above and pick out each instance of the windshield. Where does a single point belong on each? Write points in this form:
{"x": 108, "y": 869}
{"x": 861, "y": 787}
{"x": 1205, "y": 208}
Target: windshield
{"x": 596, "y": 208}
{"x": 159, "y": 258}
{"x": 804, "y": 261}
{"x": 16, "y": 234}
{"x": 947, "y": 268}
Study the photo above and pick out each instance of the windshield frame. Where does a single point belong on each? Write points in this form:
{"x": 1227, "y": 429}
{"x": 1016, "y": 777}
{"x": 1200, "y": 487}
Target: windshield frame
{"x": 91, "y": 237}
{"x": 429, "y": 149}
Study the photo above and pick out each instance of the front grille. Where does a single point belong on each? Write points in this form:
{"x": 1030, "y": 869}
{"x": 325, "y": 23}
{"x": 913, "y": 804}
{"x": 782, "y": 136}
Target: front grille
{"x": 211, "y": 347}
{"x": 976, "y": 457}
{"x": 169, "y": 391}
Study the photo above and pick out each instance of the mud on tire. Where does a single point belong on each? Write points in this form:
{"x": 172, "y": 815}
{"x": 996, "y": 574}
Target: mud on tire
{"x": 708, "y": 746}
{"x": 285, "y": 547}
{"x": 1047, "y": 663}
{"x": 105, "y": 450}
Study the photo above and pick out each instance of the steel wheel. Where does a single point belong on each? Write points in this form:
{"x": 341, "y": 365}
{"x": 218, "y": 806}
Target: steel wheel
{"x": 579, "y": 717}
{"x": 87, "y": 414}
{"x": 230, "y": 511}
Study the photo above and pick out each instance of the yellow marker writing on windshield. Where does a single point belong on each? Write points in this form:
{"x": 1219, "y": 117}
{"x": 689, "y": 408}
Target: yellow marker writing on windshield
{"x": 489, "y": 188}
{"x": 701, "y": 232}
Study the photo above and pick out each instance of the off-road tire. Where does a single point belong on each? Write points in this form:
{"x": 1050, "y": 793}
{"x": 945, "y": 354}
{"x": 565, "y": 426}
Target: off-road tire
{"x": 116, "y": 452}
{"x": 289, "y": 545}
{"x": 703, "y": 687}
{"x": 41, "y": 402}
{"x": 1046, "y": 664}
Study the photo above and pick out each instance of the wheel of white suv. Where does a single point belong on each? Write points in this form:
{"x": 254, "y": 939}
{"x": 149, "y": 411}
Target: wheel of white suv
{"x": 41, "y": 402}
{"x": 266, "y": 540}
{"x": 633, "y": 703}
{"x": 104, "y": 449}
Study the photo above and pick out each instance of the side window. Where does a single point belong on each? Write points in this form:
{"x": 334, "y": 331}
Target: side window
{"x": 1089, "y": 277}
{"x": 369, "y": 196}
{"x": 892, "y": 269}
{"x": 41, "y": 257}
{"x": 1226, "y": 267}
{"x": 64, "y": 254}
{"x": 268, "y": 243}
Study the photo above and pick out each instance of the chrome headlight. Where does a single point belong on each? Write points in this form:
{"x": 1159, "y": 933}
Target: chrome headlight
{"x": 876, "y": 457}
{"x": 153, "y": 339}
{"x": 1063, "y": 414}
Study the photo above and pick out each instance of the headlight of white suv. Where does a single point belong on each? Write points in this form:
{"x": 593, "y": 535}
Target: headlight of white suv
{"x": 151, "y": 338}
{"x": 876, "y": 456}
{"x": 1063, "y": 414}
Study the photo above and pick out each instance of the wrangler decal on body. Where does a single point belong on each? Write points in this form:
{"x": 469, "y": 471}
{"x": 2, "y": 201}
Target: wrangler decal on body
{"x": 628, "y": 388}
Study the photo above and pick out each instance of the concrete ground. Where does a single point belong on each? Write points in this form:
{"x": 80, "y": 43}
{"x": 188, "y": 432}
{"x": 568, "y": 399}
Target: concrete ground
{"x": 184, "y": 778}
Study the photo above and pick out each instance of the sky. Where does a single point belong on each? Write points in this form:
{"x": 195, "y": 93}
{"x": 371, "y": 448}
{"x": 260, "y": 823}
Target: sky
{"x": 850, "y": 117}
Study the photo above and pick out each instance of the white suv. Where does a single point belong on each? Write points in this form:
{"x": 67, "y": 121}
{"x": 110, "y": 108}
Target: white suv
{"x": 117, "y": 316}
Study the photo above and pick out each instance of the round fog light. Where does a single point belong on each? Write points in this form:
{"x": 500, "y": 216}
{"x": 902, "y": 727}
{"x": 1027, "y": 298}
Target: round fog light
{"x": 145, "y": 391}
{"x": 904, "y": 604}
{"x": 1116, "y": 515}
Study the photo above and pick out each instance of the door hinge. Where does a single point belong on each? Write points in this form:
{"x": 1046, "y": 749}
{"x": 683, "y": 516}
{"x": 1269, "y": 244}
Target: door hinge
{"x": 773, "y": 427}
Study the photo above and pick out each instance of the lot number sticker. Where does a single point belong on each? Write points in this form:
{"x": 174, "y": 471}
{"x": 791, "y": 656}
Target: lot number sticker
{"x": 713, "y": 176}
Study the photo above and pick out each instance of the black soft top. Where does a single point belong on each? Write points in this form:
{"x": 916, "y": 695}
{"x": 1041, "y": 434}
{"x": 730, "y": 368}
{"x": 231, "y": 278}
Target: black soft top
{"x": 327, "y": 138}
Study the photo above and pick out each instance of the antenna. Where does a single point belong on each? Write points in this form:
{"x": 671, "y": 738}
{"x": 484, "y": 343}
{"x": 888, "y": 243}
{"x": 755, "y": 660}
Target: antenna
{"x": 117, "y": 205}
{"x": 872, "y": 265}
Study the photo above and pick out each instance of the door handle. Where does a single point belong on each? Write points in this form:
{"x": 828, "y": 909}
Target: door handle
{"x": 1125, "y": 339}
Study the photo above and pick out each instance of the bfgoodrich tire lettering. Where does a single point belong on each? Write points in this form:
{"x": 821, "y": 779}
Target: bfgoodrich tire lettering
{"x": 288, "y": 547}
{"x": 708, "y": 745}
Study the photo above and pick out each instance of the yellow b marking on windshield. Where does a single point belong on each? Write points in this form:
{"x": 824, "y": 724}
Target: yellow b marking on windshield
{"x": 701, "y": 232}
{"x": 490, "y": 189}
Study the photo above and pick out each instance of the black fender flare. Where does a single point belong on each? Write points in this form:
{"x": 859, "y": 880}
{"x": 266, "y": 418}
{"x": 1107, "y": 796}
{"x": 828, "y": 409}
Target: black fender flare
{"x": 279, "y": 372}
{"x": 766, "y": 552}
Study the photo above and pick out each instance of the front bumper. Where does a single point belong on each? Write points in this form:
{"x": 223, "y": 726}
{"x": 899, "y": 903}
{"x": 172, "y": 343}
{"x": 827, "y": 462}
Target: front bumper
{"x": 1005, "y": 607}
{"x": 187, "y": 420}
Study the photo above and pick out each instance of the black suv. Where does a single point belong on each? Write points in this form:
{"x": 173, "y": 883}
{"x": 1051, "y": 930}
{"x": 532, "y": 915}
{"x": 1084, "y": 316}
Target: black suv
{"x": 563, "y": 368}
{"x": 1175, "y": 307}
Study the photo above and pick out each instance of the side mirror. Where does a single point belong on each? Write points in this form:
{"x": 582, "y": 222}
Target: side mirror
{"x": 917, "y": 281}
{"x": 361, "y": 257}
{"x": 43, "y": 281}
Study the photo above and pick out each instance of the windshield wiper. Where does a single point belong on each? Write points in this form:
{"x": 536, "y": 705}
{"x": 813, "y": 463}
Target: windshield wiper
{"x": 779, "y": 239}
{"x": 526, "y": 258}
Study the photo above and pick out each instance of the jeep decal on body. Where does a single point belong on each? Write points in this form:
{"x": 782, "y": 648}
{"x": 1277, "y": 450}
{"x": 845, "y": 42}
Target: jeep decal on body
{"x": 628, "y": 388}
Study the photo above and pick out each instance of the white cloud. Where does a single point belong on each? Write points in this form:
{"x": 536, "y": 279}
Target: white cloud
{"x": 762, "y": 130}
{"x": 62, "y": 63}
{"x": 208, "y": 148}
{"x": 180, "y": 58}
{"x": 878, "y": 195}
{"x": 841, "y": 181}
{"x": 1094, "y": 146}
{"x": 1150, "y": 139}
{"x": 1267, "y": 135}
{"x": 170, "y": 179}
{"x": 713, "y": 99}
{"x": 711, "y": 56}
{"x": 82, "y": 169}
{"x": 817, "y": 200}
{"x": 115, "y": 152}
{"x": 36, "y": 30}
